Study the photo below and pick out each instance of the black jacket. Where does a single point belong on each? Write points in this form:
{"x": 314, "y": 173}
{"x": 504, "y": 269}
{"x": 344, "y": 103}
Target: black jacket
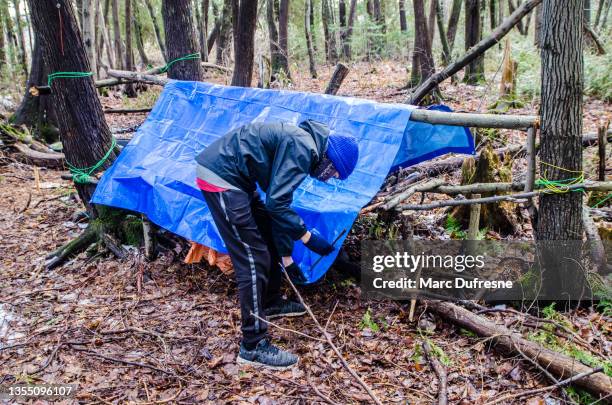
{"x": 278, "y": 157}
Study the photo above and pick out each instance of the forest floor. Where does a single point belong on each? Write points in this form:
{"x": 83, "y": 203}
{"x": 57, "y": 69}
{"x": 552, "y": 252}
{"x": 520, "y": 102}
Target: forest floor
{"x": 167, "y": 332}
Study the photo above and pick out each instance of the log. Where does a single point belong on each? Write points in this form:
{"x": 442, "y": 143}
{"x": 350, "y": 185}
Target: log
{"x": 113, "y": 81}
{"x": 474, "y": 120}
{"x": 336, "y": 79}
{"x": 590, "y": 185}
{"x": 601, "y": 143}
{"x": 138, "y": 77}
{"x": 440, "y": 373}
{"x": 40, "y": 158}
{"x": 398, "y": 198}
{"x": 432, "y": 82}
{"x": 557, "y": 364}
{"x": 209, "y": 65}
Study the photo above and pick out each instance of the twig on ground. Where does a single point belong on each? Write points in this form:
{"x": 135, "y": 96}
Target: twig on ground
{"x": 331, "y": 314}
{"x": 562, "y": 383}
{"x": 319, "y": 393}
{"x": 440, "y": 372}
{"x": 332, "y": 345}
{"x": 287, "y": 329}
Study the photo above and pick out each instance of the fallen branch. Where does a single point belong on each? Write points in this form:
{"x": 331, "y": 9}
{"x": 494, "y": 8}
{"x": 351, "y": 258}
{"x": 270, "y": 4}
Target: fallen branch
{"x": 332, "y": 345}
{"x": 557, "y": 364}
{"x": 440, "y": 372}
{"x": 116, "y": 80}
{"x": 432, "y": 82}
{"x": 46, "y": 159}
{"x": 534, "y": 391}
{"x": 595, "y": 41}
{"x": 594, "y": 186}
{"x": 473, "y": 119}
{"x": 399, "y": 197}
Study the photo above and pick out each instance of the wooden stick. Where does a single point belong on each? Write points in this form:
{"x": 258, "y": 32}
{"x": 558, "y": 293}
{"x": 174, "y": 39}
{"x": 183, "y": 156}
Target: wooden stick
{"x": 601, "y": 144}
{"x": 563, "y": 383}
{"x": 397, "y": 199}
{"x": 336, "y": 79}
{"x": 432, "y": 82}
{"x": 331, "y": 343}
{"x": 138, "y": 77}
{"x": 474, "y": 219}
{"x": 594, "y": 185}
{"x": 440, "y": 372}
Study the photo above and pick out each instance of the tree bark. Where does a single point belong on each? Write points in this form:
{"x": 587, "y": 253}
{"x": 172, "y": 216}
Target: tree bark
{"x": 446, "y": 53}
{"x": 561, "y": 116}
{"x": 85, "y": 135}
{"x": 600, "y": 4}
{"x": 157, "y": 29}
{"x": 474, "y": 72}
{"x": 402, "y": 16}
{"x": 346, "y": 48}
{"x": 336, "y": 79}
{"x": 11, "y": 39}
{"x": 453, "y": 22}
{"x": 275, "y": 52}
{"x": 181, "y": 40}
{"x": 493, "y": 13}
{"x": 21, "y": 38}
{"x": 587, "y": 11}
{"x": 307, "y": 33}
{"x": 538, "y": 26}
{"x": 244, "y": 41}
{"x": 494, "y": 38}
{"x": 431, "y": 21}
{"x": 117, "y": 35}
{"x": 129, "y": 89}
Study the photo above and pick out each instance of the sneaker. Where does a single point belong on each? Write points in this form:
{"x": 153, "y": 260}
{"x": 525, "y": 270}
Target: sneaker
{"x": 267, "y": 355}
{"x": 284, "y": 307}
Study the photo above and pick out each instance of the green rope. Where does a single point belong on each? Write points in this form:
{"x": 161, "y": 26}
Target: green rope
{"x": 186, "y": 57}
{"x": 66, "y": 75}
{"x": 602, "y": 201}
{"x": 81, "y": 176}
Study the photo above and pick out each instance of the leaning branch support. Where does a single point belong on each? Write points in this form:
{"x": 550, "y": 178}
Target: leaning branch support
{"x": 432, "y": 82}
{"x": 558, "y": 364}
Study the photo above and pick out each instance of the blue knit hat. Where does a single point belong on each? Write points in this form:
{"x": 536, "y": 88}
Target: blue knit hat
{"x": 342, "y": 150}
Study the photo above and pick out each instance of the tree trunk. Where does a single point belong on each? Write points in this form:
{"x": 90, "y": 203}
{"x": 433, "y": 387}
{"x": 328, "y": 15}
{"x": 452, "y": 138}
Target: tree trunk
{"x": 103, "y": 25}
{"x": 224, "y": 32}
{"x": 520, "y": 26}
{"x": 442, "y": 33}
{"x": 493, "y": 13}
{"x": 3, "y": 59}
{"x": 275, "y": 52}
{"x": 89, "y": 38}
{"x": 402, "y": 16}
{"x": 21, "y": 38}
{"x": 117, "y": 35}
{"x": 11, "y": 39}
{"x": 244, "y": 40}
{"x": 85, "y": 135}
{"x": 474, "y": 72}
{"x": 139, "y": 39}
{"x": 342, "y": 13}
{"x": 130, "y": 91}
{"x": 600, "y": 5}
{"x": 157, "y": 29}
{"x": 307, "y": 33}
{"x": 587, "y": 11}
{"x": 283, "y": 26}
{"x": 431, "y": 20}
{"x": 329, "y": 32}
{"x": 423, "y": 63}
{"x": 453, "y": 22}
{"x": 538, "y": 26}
{"x": 346, "y": 48}
{"x": 560, "y": 216}
{"x": 181, "y": 40}
{"x": 313, "y": 31}
{"x": 604, "y": 21}
{"x": 37, "y": 112}
{"x": 204, "y": 31}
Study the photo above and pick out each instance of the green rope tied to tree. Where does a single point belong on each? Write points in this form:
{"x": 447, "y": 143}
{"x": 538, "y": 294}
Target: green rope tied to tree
{"x": 81, "y": 176}
{"x": 186, "y": 57}
{"x": 66, "y": 75}
{"x": 561, "y": 186}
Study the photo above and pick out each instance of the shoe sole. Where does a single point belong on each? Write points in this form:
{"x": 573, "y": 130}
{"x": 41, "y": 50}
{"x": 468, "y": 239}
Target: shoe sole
{"x": 240, "y": 360}
{"x": 288, "y": 315}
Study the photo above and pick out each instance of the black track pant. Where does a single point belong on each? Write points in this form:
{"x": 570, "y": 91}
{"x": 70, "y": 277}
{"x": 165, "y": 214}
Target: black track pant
{"x": 244, "y": 225}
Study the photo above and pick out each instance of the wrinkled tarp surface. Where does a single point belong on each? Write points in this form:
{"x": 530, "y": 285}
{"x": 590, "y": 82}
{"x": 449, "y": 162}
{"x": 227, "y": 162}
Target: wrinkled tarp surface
{"x": 155, "y": 172}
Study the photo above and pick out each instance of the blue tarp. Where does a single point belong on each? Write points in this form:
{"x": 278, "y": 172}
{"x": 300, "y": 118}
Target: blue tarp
{"x": 155, "y": 172}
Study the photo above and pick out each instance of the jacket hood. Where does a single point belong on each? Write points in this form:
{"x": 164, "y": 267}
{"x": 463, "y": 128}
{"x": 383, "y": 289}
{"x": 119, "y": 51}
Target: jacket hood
{"x": 319, "y": 133}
